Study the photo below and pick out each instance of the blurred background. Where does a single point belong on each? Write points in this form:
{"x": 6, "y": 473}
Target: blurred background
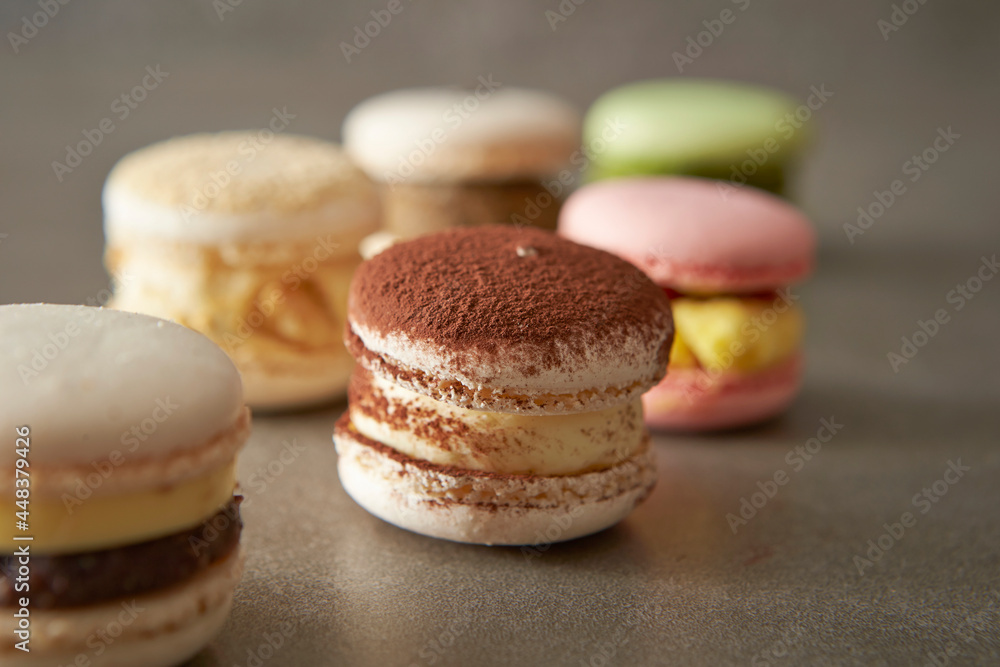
{"x": 898, "y": 72}
{"x": 230, "y": 62}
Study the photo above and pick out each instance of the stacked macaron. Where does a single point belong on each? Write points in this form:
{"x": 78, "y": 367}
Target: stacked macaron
{"x": 728, "y": 262}
{"x": 123, "y": 475}
{"x": 250, "y": 238}
{"x": 497, "y": 396}
{"x": 736, "y": 132}
{"x": 448, "y": 157}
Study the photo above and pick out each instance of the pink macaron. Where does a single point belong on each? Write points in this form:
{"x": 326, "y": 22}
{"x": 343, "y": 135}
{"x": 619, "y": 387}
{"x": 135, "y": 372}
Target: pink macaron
{"x": 728, "y": 257}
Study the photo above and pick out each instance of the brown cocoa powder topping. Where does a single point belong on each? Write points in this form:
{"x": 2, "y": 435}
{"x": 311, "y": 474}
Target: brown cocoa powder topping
{"x": 481, "y": 290}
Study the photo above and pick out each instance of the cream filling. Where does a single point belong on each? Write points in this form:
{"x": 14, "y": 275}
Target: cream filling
{"x": 77, "y": 522}
{"x": 567, "y": 444}
{"x": 257, "y": 314}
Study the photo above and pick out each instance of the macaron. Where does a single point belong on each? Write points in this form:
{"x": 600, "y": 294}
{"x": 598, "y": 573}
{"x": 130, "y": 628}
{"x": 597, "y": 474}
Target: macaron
{"x": 448, "y": 157}
{"x": 497, "y": 394}
{"x": 118, "y": 482}
{"x": 728, "y": 264}
{"x": 250, "y": 238}
{"x": 738, "y": 133}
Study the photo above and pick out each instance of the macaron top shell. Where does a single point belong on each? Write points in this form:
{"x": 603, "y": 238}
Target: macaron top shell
{"x": 510, "y": 320}
{"x": 450, "y": 134}
{"x": 93, "y": 383}
{"x": 238, "y": 187}
{"x": 673, "y": 124}
{"x": 694, "y": 235}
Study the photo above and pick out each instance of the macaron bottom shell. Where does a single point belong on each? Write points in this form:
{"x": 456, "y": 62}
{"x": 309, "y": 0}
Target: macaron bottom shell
{"x": 476, "y": 507}
{"x": 159, "y": 629}
{"x": 693, "y": 399}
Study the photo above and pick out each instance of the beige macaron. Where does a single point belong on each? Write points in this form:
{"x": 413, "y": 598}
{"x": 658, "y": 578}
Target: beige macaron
{"x": 251, "y": 238}
{"x": 448, "y": 157}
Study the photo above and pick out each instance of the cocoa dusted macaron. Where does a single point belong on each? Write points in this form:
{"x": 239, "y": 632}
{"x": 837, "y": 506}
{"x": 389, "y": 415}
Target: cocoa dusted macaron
{"x": 118, "y": 474}
{"x": 448, "y": 157}
{"x": 497, "y": 394}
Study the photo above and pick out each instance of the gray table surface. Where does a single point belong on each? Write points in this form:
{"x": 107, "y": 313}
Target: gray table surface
{"x": 330, "y": 585}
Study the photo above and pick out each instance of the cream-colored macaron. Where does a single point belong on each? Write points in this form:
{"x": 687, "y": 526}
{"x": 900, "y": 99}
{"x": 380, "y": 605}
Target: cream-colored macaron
{"x": 450, "y": 157}
{"x": 497, "y": 394}
{"x": 250, "y": 238}
{"x": 450, "y": 134}
{"x": 129, "y": 427}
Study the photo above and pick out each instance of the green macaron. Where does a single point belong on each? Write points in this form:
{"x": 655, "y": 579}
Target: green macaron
{"x": 725, "y": 130}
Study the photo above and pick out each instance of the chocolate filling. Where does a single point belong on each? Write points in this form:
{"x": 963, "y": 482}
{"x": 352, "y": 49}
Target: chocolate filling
{"x": 72, "y": 580}
{"x": 420, "y": 208}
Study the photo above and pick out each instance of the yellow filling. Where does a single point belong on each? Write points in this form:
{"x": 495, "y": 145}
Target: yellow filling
{"x": 734, "y": 333}
{"x": 76, "y": 524}
{"x": 501, "y": 442}
{"x": 253, "y": 312}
